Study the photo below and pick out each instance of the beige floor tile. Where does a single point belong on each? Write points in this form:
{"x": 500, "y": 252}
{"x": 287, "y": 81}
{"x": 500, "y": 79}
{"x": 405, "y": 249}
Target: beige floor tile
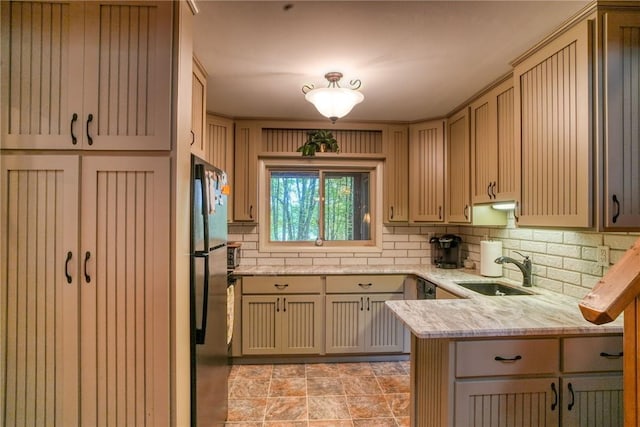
{"x": 388, "y": 368}
{"x": 254, "y": 371}
{"x": 246, "y": 409}
{"x": 399, "y": 404}
{"x": 375, "y": 422}
{"x": 394, "y": 384}
{"x": 359, "y": 386}
{"x": 286, "y": 409}
{"x": 281, "y": 387}
{"x": 285, "y": 424}
{"x": 368, "y": 407}
{"x": 331, "y": 423}
{"x": 241, "y": 388}
{"x": 355, "y": 369}
{"x": 317, "y": 370}
{"x": 403, "y": 421}
{"x": 324, "y": 386}
{"x": 289, "y": 371}
{"x": 328, "y": 408}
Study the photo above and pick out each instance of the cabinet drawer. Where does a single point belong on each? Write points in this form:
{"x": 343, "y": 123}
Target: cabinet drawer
{"x": 281, "y": 285}
{"x": 483, "y": 358}
{"x": 365, "y": 283}
{"x": 589, "y": 354}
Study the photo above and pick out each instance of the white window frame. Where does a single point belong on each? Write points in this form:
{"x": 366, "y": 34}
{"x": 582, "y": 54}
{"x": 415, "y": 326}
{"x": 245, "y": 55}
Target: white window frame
{"x": 374, "y": 245}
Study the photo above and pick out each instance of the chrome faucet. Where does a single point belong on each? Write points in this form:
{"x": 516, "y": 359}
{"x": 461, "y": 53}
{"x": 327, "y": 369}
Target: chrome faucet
{"x": 524, "y": 266}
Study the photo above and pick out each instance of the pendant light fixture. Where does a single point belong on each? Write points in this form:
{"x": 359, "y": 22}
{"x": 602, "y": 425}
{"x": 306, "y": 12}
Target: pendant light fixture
{"x": 334, "y": 101}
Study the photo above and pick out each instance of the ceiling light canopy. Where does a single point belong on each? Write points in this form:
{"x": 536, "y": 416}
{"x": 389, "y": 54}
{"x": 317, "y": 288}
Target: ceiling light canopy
{"x": 334, "y": 101}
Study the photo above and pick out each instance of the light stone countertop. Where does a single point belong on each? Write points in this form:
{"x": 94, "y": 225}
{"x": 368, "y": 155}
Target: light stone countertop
{"x": 474, "y": 315}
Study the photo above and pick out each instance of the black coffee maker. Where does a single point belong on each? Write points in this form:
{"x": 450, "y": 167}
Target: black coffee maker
{"x": 445, "y": 251}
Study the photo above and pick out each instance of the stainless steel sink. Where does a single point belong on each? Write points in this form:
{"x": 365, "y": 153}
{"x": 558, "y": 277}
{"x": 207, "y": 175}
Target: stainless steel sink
{"x": 494, "y": 288}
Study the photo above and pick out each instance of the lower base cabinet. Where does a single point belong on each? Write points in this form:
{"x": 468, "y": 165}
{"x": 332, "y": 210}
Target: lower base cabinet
{"x": 288, "y": 324}
{"x": 546, "y": 382}
{"x": 509, "y": 402}
{"x": 316, "y": 315}
{"x": 361, "y": 323}
{"x": 592, "y": 400}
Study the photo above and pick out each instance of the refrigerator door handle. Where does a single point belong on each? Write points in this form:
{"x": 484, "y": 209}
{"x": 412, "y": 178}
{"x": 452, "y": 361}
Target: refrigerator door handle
{"x": 201, "y": 332}
{"x": 201, "y": 174}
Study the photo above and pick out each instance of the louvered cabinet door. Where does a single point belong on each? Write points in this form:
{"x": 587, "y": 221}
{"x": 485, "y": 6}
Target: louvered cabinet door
{"x": 592, "y": 401}
{"x": 301, "y": 324}
{"x": 127, "y": 75}
{"x": 384, "y": 332}
{"x": 345, "y": 320}
{"x": 219, "y": 150}
{"x": 484, "y": 149}
{"x": 508, "y": 151}
{"x": 621, "y": 203}
{"x": 426, "y": 172}
{"x": 39, "y": 288}
{"x": 42, "y": 62}
{"x": 261, "y": 324}
{"x": 515, "y": 403}
{"x": 125, "y": 370}
{"x": 396, "y": 175}
{"x": 199, "y": 111}
{"x": 245, "y": 177}
{"x": 553, "y": 123}
{"x": 458, "y": 168}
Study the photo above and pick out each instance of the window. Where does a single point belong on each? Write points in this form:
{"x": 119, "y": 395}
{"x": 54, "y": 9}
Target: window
{"x": 325, "y": 205}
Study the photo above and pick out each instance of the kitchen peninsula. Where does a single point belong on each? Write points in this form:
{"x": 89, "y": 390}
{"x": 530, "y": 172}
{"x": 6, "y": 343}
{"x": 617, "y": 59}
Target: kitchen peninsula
{"x": 521, "y": 360}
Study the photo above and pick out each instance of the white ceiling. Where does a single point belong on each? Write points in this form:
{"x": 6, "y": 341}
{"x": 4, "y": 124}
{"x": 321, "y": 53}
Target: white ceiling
{"x": 416, "y": 59}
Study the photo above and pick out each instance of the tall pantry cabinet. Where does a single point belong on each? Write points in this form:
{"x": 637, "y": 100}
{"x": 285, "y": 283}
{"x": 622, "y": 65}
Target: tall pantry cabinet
{"x": 85, "y": 243}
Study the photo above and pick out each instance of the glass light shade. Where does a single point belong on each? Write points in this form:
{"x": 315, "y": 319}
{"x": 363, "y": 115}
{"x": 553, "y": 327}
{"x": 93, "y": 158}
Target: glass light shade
{"x": 334, "y": 102}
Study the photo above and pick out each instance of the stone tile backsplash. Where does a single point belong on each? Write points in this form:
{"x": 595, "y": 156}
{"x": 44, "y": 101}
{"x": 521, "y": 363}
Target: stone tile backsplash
{"x": 563, "y": 261}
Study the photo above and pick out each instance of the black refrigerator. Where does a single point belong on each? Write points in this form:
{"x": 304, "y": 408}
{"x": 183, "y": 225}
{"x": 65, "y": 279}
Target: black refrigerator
{"x": 208, "y": 291}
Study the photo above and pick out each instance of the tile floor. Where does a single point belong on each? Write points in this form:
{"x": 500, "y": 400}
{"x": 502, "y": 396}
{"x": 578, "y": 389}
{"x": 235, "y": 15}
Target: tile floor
{"x": 319, "y": 395}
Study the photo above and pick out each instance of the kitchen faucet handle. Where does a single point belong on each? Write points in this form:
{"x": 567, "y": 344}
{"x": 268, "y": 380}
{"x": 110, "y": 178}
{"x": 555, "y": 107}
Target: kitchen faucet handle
{"x": 526, "y": 257}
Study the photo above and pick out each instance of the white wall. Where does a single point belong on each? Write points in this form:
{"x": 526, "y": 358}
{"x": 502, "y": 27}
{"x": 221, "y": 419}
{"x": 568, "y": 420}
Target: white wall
{"x": 563, "y": 260}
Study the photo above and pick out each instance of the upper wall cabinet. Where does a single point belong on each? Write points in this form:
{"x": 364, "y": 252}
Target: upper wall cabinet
{"x": 219, "y": 149}
{"x": 458, "y": 168}
{"x": 245, "y": 177}
{"x": 621, "y": 201}
{"x": 495, "y": 159}
{"x": 396, "y": 174}
{"x": 199, "y": 110}
{"x": 553, "y": 122}
{"x": 426, "y": 172}
{"x": 86, "y": 75}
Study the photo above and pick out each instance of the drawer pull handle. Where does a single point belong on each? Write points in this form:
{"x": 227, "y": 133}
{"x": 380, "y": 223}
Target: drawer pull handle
{"x": 573, "y": 397}
{"x": 277, "y": 305}
{"x": 361, "y": 304}
{"x": 365, "y": 285}
{"x": 612, "y": 356}
{"x": 555, "y": 397}
{"x": 284, "y": 305}
{"x": 279, "y": 286}
{"x": 507, "y": 359}
{"x": 368, "y": 305}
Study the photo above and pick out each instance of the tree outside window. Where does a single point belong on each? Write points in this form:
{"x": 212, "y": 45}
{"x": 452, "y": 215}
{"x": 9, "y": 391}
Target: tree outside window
{"x": 319, "y": 205}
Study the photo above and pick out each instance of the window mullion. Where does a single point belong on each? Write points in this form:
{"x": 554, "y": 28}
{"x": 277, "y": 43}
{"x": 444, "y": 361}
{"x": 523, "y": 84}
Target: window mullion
{"x": 321, "y": 204}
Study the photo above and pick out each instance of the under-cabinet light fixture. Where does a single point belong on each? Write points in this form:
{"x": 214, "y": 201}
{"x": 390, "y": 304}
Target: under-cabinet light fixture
{"x": 506, "y": 206}
{"x": 334, "y": 101}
